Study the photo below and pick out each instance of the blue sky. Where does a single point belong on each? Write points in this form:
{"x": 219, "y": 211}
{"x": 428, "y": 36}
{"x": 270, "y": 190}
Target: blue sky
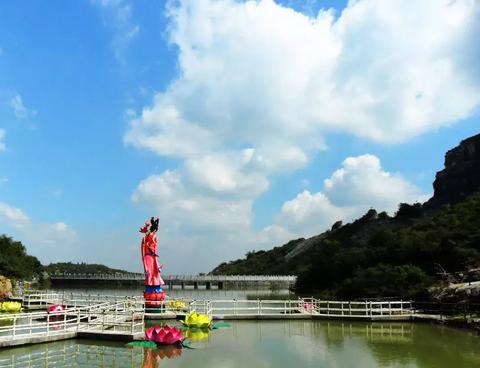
{"x": 224, "y": 118}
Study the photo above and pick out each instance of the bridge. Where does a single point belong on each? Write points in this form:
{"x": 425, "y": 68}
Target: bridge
{"x": 218, "y": 281}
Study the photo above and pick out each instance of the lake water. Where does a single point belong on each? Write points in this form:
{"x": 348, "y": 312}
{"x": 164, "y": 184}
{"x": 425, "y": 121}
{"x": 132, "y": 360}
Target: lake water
{"x": 275, "y": 344}
{"x": 262, "y": 344}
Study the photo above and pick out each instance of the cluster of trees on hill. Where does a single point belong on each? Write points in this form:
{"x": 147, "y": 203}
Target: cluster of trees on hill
{"x": 378, "y": 255}
{"x": 69, "y": 267}
{"x": 15, "y": 262}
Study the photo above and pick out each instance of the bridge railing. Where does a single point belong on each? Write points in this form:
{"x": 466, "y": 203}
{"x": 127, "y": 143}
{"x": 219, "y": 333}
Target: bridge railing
{"x": 184, "y": 278}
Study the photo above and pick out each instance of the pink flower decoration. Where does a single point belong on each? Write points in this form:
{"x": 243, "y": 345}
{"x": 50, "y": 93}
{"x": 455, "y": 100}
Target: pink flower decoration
{"x": 55, "y": 309}
{"x": 164, "y": 335}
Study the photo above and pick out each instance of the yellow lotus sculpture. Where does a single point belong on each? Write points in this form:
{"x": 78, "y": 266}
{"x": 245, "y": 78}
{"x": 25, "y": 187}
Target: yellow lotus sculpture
{"x": 195, "y": 320}
{"x": 177, "y": 305}
{"x": 10, "y": 307}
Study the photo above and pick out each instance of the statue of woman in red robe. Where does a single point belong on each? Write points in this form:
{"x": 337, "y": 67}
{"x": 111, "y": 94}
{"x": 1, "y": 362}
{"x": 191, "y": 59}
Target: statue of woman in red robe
{"x": 153, "y": 281}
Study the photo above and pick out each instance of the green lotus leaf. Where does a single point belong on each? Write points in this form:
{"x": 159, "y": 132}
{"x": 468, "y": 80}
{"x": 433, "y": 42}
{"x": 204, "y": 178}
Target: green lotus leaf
{"x": 143, "y": 344}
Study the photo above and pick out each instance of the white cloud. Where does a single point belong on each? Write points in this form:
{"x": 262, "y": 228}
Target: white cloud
{"x": 20, "y": 110}
{"x": 362, "y": 182}
{"x": 48, "y": 241}
{"x": 13, "y": 217}
{"x": 310, "y": 214}
{"x": 258, "y": 74}
{"x": 358, "y": 185}
{"x": 2, "y": 137}
{"x": 118, "y": 17}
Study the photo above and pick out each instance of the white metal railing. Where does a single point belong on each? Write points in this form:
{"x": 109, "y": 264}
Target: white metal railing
{"x": 309, "y": 306}
{"x": 106, "y": 317}
{"x": 44, "y": 298}
{"x": 365, "y": 309}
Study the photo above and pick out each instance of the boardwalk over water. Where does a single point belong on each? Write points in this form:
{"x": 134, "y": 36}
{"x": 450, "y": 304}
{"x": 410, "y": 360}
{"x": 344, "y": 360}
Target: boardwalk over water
{"x": 218, "y": 281}
{"x": 122, "y": 318}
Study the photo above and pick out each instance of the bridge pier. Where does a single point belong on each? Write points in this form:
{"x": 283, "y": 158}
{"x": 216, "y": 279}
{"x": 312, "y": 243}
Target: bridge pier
{"x": 220, "y": 285}
{"x": 208, "y": 285}
{"x": 183, "y": 285}
{"x": 195, "y": 285}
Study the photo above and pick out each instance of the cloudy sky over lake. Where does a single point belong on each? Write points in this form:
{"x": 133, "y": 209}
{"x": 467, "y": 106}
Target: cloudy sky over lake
{"x": 241, "y": 124}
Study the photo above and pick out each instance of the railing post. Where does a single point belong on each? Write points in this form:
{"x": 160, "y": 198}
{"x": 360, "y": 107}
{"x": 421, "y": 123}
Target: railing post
{"x": 14, "y": 326}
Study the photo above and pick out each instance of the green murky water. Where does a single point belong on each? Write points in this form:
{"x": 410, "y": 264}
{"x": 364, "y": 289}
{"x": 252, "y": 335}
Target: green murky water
{"x": 249, "y": 344}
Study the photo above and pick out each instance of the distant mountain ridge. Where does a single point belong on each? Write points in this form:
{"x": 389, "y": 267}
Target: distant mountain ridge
{"x": 79, "y": 268}
{"x": 379, "y": 255}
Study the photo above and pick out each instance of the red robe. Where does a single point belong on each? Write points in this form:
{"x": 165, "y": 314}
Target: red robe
{"x": 150, "y": 260}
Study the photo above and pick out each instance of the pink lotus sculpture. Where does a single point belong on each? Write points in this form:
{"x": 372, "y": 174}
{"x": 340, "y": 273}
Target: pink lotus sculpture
{"x": 56, "y": 309}
{"x": 164, "y": 335}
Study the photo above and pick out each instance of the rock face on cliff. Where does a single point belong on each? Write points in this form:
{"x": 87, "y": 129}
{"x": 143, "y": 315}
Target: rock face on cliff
{"x": 461, "y": 175}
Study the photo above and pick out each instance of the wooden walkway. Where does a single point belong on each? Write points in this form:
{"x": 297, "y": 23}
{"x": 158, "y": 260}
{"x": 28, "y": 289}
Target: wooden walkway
{"x": 122, "y": 318}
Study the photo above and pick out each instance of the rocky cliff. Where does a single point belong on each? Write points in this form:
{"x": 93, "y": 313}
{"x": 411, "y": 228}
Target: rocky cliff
{"x": 461, "y": 175}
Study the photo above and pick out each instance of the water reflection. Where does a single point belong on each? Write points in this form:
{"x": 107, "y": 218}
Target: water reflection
{"x": 152, "y": 357}
{"x": 196, "y": 333}
{"x": 279, "y": 344}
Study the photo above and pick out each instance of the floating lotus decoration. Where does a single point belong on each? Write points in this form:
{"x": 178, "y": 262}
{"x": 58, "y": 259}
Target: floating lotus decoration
{"x": 307, "y": 307}
{"x": 10, "y": 307}
{"x": 195, "y": 320}
{"x": 164, "y": 335}
{"x": 56, "y": 309}
{"x": 177, "y": 305}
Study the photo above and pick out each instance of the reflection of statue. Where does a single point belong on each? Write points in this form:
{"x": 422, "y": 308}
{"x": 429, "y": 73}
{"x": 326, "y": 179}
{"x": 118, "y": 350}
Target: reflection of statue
{"x": 153, "y": 294}
{"x": 152, "y": 357}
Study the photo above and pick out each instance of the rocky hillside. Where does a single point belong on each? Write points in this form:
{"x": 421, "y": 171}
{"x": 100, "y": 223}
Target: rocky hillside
{"x": 378, "y": 255}
{"x": 461, "y": 175}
